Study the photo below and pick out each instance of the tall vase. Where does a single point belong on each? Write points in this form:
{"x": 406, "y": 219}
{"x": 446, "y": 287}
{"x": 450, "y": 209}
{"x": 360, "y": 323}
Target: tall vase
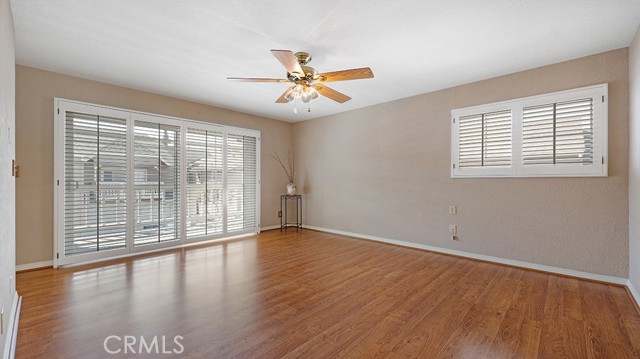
{"x": 291, "y": 189}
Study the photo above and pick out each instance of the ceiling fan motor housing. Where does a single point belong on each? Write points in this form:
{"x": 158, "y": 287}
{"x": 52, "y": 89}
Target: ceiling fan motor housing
{"x": 309, "y": 73}
{"x": 303, "y": 57}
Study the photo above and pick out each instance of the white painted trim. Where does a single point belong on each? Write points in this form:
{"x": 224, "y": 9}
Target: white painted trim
{"x": 35, "y": 265}
{"x": 238, "y": 130}
{"x": 12, "y": 330}
{"x": 268, "y": 228}
{"x": 511, "y": 262}
{"x": 599, "y": 167}
{"x": 634, "y": 291}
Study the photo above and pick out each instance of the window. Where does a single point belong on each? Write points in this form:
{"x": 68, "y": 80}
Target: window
{"x": 95, "y": 209}
{"x": 485, "y": 140}
{"x": 558, "y": 134}
{"x": 129, "y": 182}
{"x": 156, "y": 152}
{"x": 242, "y": 174}
{"x": 205, "y": 184}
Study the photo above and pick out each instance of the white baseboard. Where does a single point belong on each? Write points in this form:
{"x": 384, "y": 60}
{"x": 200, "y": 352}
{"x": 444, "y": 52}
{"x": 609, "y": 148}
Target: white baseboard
{"x": 268, "y": 228}
{"x": 545, "y": 268}
{"x": 12, "y": 328}
{"x": 634, "y": 291}
{"x": 35, "y": 265}
{"x": 511, "y": 262}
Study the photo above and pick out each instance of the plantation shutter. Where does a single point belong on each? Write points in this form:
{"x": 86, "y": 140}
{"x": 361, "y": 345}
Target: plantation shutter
{"x": 551, "y": 135}
{"x": 484, "y": 140}
{"x": 205, "y": 180}
{"x": 128, "y": 182}
{"x": 242, "y": 182}
{"x": 558, "y": 133}
{"x": 95, "y": 172}
{"x": 156, "y": 183}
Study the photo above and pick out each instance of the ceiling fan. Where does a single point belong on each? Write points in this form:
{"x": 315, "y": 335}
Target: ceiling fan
{"x": 308, "y": 84}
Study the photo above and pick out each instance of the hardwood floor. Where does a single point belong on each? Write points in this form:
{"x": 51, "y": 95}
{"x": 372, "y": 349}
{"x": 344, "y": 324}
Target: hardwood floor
{"x": 317, "y": 295}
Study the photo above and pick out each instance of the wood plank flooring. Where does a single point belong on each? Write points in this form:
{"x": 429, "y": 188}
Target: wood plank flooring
{"x": 318, "y": 295}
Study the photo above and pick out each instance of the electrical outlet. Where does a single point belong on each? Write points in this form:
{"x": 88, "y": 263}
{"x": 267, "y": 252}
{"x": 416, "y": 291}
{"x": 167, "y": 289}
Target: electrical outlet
{"x": 453, "y": 210}
{"x": 279, "y": 214}
{"x": 453, "y": 229}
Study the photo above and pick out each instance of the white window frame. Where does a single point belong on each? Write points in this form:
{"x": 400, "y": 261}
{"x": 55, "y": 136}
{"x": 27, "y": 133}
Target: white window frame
{"x": 598, "y": 168}
{"x": 493, "y": 171}
{"x": 62, "y": 106}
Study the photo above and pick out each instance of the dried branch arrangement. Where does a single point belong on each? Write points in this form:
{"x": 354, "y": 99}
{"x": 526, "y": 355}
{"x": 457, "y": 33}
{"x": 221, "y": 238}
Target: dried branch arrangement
{"x": 289, "y": 169}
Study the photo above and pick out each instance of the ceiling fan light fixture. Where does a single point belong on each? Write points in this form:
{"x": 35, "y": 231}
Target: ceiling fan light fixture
{"x": 293, "y": 92}
{"x": 309, "y": 93}
{"x": 304, "y": 92}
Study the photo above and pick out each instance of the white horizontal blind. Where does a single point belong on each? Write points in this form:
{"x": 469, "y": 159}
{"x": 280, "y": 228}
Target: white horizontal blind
{"x": 485, "y": 139}
{"x": 558, "y": 133}
{"x": 95, "y": 183}
{"x": 156, "y": 183}
{"x": 205, "y": 180}
{"x": 242, "y": 177}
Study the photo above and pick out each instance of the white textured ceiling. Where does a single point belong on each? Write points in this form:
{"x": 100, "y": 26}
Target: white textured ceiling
{"x": 186, "y": 49}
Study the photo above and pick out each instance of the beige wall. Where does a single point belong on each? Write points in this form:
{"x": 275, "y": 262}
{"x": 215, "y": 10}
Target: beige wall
{"x": 384, "y": 171}
{"x": 634, "y": 162}
{"x": 7, "y": 151}
{"x": 35, "y": 90}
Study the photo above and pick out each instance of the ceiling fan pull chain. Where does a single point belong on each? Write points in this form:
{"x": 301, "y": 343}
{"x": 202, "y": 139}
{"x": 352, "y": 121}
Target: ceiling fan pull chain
{"x": 309, "y": 109}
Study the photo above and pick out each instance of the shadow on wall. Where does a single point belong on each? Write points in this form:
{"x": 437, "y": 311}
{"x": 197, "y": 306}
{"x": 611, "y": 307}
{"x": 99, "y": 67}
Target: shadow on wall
{"x": 306, "y": 185}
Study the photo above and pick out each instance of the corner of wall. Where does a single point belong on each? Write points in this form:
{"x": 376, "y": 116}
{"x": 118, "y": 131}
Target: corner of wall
{"x": 7, "y": 181}
{"x": 357, "y": 171}
{"x": 634, "y": 165}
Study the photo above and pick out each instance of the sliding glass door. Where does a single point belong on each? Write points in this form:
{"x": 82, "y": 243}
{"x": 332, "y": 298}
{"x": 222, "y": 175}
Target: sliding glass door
{"x": 128, "y": 182}
{"x": 156, "y": 202}
{"x": 95, "y": 173}
{"x": 205, "y": 182}
{"x": 241, "y": 171}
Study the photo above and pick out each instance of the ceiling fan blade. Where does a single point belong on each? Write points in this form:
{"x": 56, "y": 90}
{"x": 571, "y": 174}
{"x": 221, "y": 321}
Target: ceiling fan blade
{"x": 352, "y": 74}
{"x": 331, "y": 93}
{"x": 282, "y": 98}
{"x": 289, "y": 61}
{"x": 256, "y": 79}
